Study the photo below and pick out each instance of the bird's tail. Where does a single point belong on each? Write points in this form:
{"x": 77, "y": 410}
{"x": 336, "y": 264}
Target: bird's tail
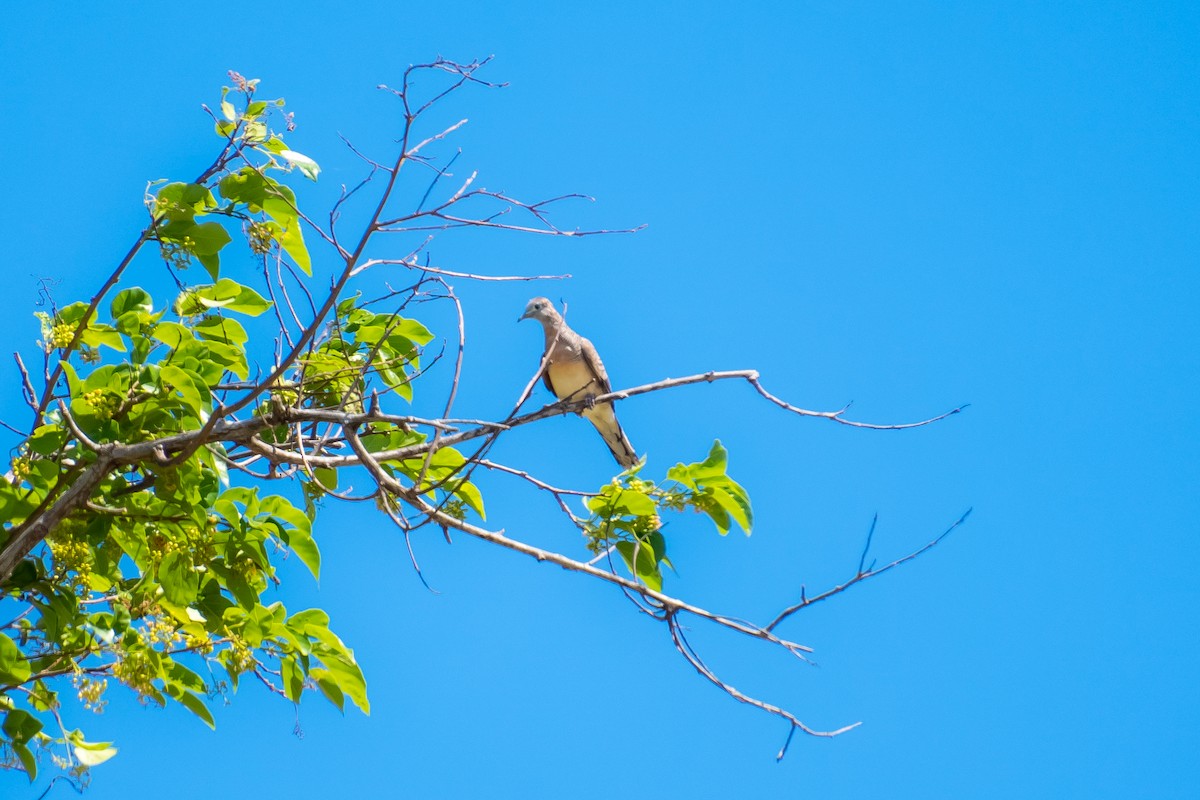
{"x": 605, "y": 420}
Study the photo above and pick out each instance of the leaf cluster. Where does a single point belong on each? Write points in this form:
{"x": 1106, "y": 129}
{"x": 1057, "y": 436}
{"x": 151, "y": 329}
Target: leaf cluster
{"x": 156, "y": 578}
{"x": 626, "y": 514}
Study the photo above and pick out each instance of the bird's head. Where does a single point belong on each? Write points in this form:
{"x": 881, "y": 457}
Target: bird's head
{"x": 541, "y": 309}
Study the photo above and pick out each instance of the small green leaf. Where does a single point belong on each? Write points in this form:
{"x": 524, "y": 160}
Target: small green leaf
{"x": 221, "y": 329}
{"x": 188, "y": 386}
{"x": 469, "y": 493}
{"x": 302, "y": 163}
{"x": 715, "y": 493}
{"x": 180, "y": 581}
{"x": 297, "y": 533}
{"x": 328, "y": 686}
{"x": 719, "y": 516}
{"x": 211, "y": 263}
{"x": 208, "y": 238}
{"x": 739, "y": 512}
{"x": 21, "y": 726}
{"x": 413, "y": 331}
{"x": 292, "y": 241}
{"x": 255, "y": 131}
{"x": 172, "y": 334}
{"x": 639, "y": 557}
{"x": 133, "y": 299}
{"x": 293, "y": 679}
{"x": 349, "y": 678}
{"x": 14, "y": 669}
{"x": 226, "y": 294}
{"x": 47, "y": 439}
{"x": 72, "y": 314}
{"x": 90, "y": 754}
{"x": 97, "y": 335}
{"x": 28, "y": 761}
{"x": 326, "y": 476}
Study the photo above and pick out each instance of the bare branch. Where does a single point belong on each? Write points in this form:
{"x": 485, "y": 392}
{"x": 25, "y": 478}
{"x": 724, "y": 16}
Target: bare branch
{"x": 862, "y": 575}
{"x": 685, "y": 649}
{"x": 412, "y": 263}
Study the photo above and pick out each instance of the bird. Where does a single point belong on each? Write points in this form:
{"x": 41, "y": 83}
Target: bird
{"x": 574, "y": 372}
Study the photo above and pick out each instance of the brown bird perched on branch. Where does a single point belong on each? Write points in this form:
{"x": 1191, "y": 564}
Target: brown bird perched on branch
{"x": 574, "y": 372}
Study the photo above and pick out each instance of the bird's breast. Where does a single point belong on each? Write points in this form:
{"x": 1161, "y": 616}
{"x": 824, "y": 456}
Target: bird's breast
{"x": 572, "y": 379}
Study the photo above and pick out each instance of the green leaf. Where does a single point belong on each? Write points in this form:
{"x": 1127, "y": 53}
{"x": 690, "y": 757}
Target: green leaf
{"x": 469, "y": 493}
{"x": 21, "y": 726}
{"x": 714, "y": 464}
{"x": 326, "y": 476}
{"x": 328, "y": 686}
{"x": 293, "y": 679}
{"x": 718, "y": 495}
{"x": 291, "y": 239}
{"x": 187, "y": 385}
{"x": 616, "y": 501}
{"x": 14, "y": 669}
{"x": 27, "y": 759}
{"x": 121, "y": 619}
{"x": 297, "y": 533}
{"x": 132, "y": 299}
{"x": 349, "y": 678}
{"x": 172, "y": 334}
{"x": 247, "y": 186}
{"x": 255, "y": 131}
{"x": 302, "y": 163}
{"x": 719, "y": 516}
{"x": 413, "y": 331}
{"x": 221, "y": 329}
{"x": 180, "y": 202}
{"x": 228, "y": 111}
{"x": 97, "y": 335}
{"x": 639, "y": 557}
{"x": 180, "y": 581}
{"x": 225, "y": 294}
{"x": 313, "y": 618}
{"x": 260, "y": 192}
{"x": 208, "y": 238}
{"x": 90, "y": 754}
{"x": 73, "y": 314}
{"x": 634, "y": 502}
{"x": 47, "y": 439}
{"x": 183, "y": 676}
{"x": 211, "y": 263}
{"x": 736, "y": 509}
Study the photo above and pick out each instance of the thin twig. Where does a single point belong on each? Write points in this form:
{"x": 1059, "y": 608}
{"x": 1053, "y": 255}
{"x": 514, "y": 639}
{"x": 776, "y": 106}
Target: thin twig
{"x": 861, "y": 576}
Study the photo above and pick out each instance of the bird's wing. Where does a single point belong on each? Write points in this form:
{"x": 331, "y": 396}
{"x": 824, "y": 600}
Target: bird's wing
{"x": 587, "y": 352}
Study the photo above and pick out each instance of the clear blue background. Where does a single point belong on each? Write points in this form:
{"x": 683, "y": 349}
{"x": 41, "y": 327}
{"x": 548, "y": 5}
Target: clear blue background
{"x": 914, "y": 207}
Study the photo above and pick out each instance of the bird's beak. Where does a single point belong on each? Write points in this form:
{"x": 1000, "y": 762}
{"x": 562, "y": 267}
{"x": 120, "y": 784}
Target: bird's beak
{"x": 523, "y": 316}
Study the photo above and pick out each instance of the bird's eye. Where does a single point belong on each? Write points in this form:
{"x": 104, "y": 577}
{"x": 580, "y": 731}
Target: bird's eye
{"x": 537, "y": 306}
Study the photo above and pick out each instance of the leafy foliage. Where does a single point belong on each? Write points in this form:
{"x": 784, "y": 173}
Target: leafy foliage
{"x": 138, "y": 543}
{"x": 626, "y": 512}
{"x": 157, "y": 577}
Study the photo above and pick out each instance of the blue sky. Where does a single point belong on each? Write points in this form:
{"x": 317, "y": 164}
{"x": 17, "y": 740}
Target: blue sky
{"x": 908, "y": 207}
